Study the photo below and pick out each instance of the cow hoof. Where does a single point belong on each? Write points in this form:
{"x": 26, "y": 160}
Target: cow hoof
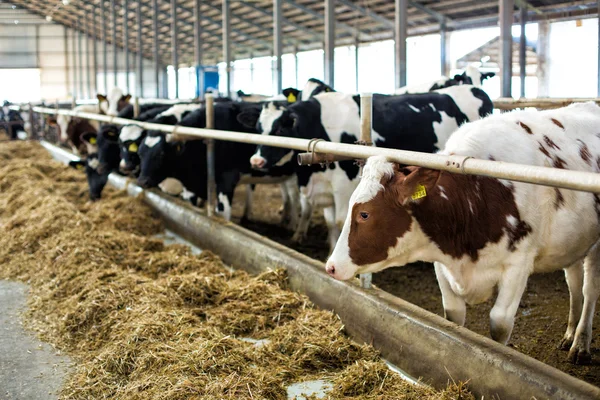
{"x": 297, "y": 238}
{"x": 565, "y": 343}
{"x": 580, "y": 357}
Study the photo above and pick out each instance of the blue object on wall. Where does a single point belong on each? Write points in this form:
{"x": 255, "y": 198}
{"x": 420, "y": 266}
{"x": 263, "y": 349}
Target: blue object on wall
{"x": 207, "y": 79}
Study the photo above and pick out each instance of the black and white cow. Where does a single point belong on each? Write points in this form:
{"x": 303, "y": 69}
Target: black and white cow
{"x": 147, "y": 111}
{"x": 417, "y": 122}
{"x": 96, "y": 181}
{"x": 131, "y": 136}
{"x": 162, "y": 158}
{"x": 471, "y": 76}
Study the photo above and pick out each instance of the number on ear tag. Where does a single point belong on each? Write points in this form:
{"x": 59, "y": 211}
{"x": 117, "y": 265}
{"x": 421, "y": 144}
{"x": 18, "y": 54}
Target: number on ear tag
{"x": 133, "y": 148}
{"x": 419, "y": 193}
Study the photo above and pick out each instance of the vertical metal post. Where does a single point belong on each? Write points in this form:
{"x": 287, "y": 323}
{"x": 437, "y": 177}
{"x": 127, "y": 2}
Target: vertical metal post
{"x": 210, "y": 157}
{"x": 366, "y": 112}
{"x": 140, "y": 53}
{"x": 80, "y": 55}
{"x": 66, "y": 52}
{"x": 252, "y": 70}
{"x": 113, "y": 10}
{"x": 88, "y": 64}
{"x": 278, "y": 44}
{"x": 175, "y": 55}
{"x": 443, "y": 48}
{"x": 296, "y": 66}
{"x": 356, "y": 47}
{"x": 136, "y": 107}
{"x": 198, "y": 47}
{"x": 543, "y": 52}
{"x": 598, "y": 48}
{"x": 400, "y": 42}
{"x": 506, "y": 19}
{"x": 329, "y": 42}
{"x": 126, "y": 42}
{"x": 155, "y": 50}
{"x": 227, "y": 45}
{"x": 74, "y": 55}
{"x": 95, "y": 50}
{"x": 104, "y": 46}
{"x": 523, "y": 49}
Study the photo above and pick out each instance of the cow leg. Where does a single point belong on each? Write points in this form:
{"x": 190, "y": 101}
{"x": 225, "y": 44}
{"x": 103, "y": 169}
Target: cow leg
{"x": 290, "y": 187}
{"x": 226, "y": 183}
{"x": 248, "y": 204}
{"x": 510, "y": 290}
{"x": 306, "y": 208}
{"x": 580, "y": 350}
{"x": 574, "y": 278}
{"x": 455, "y": 307}
{"x": 333, "y": 230}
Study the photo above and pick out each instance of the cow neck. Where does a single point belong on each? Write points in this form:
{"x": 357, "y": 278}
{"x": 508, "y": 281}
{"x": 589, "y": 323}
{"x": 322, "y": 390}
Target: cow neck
{"x": 188, "y": 166}
{"x": 308, "y": 125}
{"x": 462, "y": 214}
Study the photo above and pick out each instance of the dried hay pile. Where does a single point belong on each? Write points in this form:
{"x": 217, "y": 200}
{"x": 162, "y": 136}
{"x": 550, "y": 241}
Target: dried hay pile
{"x": 148, "y": 321}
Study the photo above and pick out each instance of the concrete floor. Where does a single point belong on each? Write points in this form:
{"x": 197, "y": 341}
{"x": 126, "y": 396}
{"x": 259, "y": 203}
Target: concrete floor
{"x": 29, "y": 368}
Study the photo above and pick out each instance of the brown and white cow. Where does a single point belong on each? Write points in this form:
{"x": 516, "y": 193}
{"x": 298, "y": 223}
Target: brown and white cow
{"x": 482, "y": 232}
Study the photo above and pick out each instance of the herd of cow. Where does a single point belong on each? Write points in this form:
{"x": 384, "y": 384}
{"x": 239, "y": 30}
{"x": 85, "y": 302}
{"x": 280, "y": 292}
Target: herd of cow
{"x": 479, "y": 232}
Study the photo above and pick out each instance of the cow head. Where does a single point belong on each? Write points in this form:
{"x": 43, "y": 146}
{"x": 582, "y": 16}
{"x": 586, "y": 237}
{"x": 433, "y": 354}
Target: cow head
{"x": 274, "y": 120}
{"x": 130, "y": 139}
{"x": 90, "y": 142}
{"x": 114, "y": 102}
{"x": 156, "y": 154}
{"x": 472, "y": 76}
{"x": 96, "y": 180}
{"x": 380, "y": 230}
{"x": 108, "y": 148}
{"x": 314, "y": 87}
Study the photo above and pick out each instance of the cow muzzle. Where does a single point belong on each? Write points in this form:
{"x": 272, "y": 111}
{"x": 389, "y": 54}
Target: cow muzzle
{"x": 257, "y": 162}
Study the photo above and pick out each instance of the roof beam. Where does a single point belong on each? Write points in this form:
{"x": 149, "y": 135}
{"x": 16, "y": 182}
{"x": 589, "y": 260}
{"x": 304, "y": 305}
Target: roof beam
{"x": 352, "y": 30}
{"x": 315, "y": 35}
{"x": 376, "y": 17}
{"x": 437, "y": 15}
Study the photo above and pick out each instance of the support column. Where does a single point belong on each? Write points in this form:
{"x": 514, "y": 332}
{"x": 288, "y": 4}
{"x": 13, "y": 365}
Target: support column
{"x": 80, "y": 60}
{"x": 94, "y": 51}
{"x": 329, "y": 42}
{"x": 296, "y": 67}
{"x": 74, "y": 55}
{"x": 523, "y": 49}
{"x": 140, "y": 53}
{"x": 104, "y": 46}
{"x": 88, "y": 64}
{"x": 356, "y": 50}
{"x": 155, "y": 49}
{"x": 227, "y": 45}
{"x": 66, "y": 53}
{"x": 543, "y": 53}
{"x": 506, "y": 20}
{"x": 113, "y": 10}
{"x": 126, "y": 43}
{"x": 443, "y": 49}
{"x": 277, "y": 45}
{"x": 400, "y": 42}
{"x": 174, "y": 54}
{"x": 198, "y": 48}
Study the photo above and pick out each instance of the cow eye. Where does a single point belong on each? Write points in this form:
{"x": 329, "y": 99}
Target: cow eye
{"x": 364, "y": 215}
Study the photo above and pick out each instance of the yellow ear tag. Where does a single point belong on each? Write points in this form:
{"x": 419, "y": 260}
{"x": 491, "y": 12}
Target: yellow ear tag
{"x": 291, "y": 98}
{"x": 133, "y": 148}
{"x": 93, "y": 140}
{"x": 80, "y": 167}
{"x": 419, "y": 192}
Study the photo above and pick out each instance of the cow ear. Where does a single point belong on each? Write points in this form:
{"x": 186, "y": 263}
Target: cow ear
{"x": 77, "y": 164}
{"x": 126, "y": 98}
{"x": 291, "y": 94}
{"x": 412, "y": 184}
{"x": 90, "y": 137}
{"x": 249, "y": 117}
{"x": 487, "y": 75}
{"x": 101, "y": 98}
{"x": 112, "y": 133}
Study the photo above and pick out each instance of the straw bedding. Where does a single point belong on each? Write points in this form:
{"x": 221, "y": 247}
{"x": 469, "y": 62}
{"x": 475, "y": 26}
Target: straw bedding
{"x": 144, "y": 320}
